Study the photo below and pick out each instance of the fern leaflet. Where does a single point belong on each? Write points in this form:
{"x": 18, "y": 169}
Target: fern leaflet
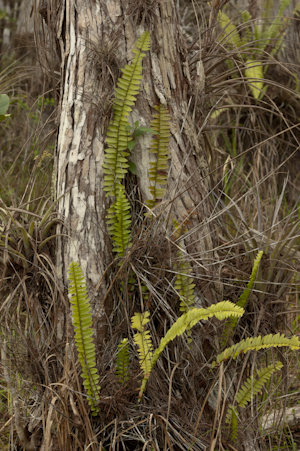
{"x": 82, "y": 322}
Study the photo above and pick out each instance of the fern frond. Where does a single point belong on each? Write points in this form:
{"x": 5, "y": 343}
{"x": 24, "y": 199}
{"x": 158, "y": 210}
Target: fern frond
{"x": 158, "y": 172}
{"x": 232, "y": 419}
{"x": 82, "y": 322}
{"x": 243, "y": 298}
{"x": 221, "y": 310}
{"x": 230, "y": 31}
{"x": 186, "y": 321}
{"x": 254, "y": 73}
{"x": 246, "y": 293}
{"x": 122, "y": 361}
{"x": 184, "y": 284}
{"x": 116, "y": 162}
{"x": 138, "y": 321}
{"x": 256, "y": 343}
{"x": 143, "y": 340}
{"x": 253, "y": 386}
{"x": 119, "y": 221}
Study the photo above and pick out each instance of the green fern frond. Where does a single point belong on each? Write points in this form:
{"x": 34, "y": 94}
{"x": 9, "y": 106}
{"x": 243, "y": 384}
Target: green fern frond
{"x": 253, "y": 386}
{"x": 82, "y": 322}
{"x": 243, "y": 298}
{"x": 158, "y": 172}
{"x": 116, "y": 155}
{"x": 246, "y": 293}
{"x": 184, "y": 284}
{"x": 119, "y": 221}
{"x": 232, "y": 419}
{"x": 221, "y": 311}
{"x": 256, "y": 343}
{"x": 276, "y": 30}
{"x": 122, "y": 361}
{"x": 144, "y": 342}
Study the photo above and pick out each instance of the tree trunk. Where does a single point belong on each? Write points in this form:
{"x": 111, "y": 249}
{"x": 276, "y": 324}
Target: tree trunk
{"x": 95, "y": 39}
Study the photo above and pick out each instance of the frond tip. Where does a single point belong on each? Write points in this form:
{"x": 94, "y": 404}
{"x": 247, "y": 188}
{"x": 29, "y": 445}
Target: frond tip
{"x": 82, "y": 322}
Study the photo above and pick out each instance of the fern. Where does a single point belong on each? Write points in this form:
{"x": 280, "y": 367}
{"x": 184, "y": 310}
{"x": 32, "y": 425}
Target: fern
{"x": 144, "y": 342}
{"x": 160, "y": 146}
{"x": 148, "y": 358}
{"x": 184, "y": 285}
{"x": 256, "y": 343}
{"x": 119, "y": 221}
{"x": 82, "y": 322}
{"x": 243, "y": 298}
{"x": 122, "y": 369}
{"x": 232, "y": 419}
{"x": 254, "y": 73}
{"x": 275, "y": 29}
{"x": 230, "y": 29}
{"x": 116, "y": 161}
{"x": 253, "y": 386}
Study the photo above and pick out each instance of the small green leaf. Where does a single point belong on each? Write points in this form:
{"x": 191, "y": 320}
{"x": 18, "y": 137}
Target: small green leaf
{"x": 4, "y": 104}
{"x": 131, "y": 145}
{"x": 142, "y": 130}
{"x": 132, "y": 167}
{"x": 136, "y": 124}
{"x": 128, "y": 127}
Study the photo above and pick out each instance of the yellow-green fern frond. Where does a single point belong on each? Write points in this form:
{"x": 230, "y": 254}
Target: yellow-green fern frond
{"x": 116, "y": 161}
{"x": 144, "y": 342}
{"x": 231, "y": 34}
{"x": 255, "y": 75}
{"x": 158, "y": 172}
{"x": 82, "y": 322}
{"x": 243, "y": 298}
{"x": 119, "y": 221}
{"x": 139, "y": 321}
{"x": 246, "y": 293}
{"x": 188, "y": 320}
{"x": 253, "y": 386}
{"x": 221, "y": 310}
{"x": 256, "y": 343}
{"x": 123, "y": 360}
